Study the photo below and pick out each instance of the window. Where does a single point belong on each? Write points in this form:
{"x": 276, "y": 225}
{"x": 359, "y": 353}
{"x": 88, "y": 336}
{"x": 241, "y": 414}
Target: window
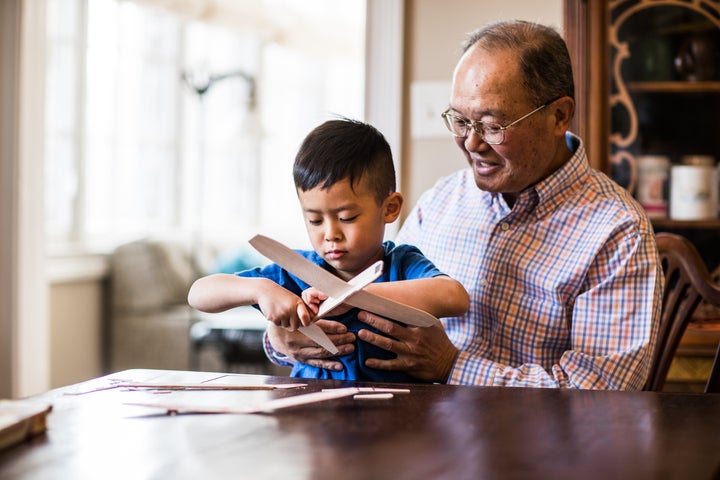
{"x": 137, "y": 146}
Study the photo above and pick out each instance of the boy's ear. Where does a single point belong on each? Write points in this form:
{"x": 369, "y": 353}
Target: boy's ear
{"x": 393, "y": 206}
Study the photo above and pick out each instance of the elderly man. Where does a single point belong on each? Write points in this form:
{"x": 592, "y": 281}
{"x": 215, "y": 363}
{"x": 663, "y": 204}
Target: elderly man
{"x": 559, "y": 261}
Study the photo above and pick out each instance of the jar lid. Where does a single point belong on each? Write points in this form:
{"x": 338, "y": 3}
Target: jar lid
{"x": 653, "y": 159}
{"x": 699, "y": 160}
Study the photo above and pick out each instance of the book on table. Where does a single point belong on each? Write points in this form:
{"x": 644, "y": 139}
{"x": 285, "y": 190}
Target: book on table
{"x": 21, "y": 420}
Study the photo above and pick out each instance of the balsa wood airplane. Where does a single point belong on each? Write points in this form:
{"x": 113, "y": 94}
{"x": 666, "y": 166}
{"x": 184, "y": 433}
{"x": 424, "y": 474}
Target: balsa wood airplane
{"x": 338, "y": 290}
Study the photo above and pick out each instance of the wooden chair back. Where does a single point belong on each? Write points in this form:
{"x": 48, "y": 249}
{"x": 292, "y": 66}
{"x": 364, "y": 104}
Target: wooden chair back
{"x": 687, "y": 282}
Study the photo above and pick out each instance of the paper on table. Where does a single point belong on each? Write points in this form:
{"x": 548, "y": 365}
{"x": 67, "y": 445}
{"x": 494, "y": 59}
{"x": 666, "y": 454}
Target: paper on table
{"x": 185, "y": 386}
{"x": 270, "y": 405}
{"x": 208, "y": 386}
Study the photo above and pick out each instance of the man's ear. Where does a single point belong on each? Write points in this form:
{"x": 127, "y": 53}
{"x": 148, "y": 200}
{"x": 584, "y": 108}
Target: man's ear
{"x": 564, "y": 111}
{"x": 392, "y": 206}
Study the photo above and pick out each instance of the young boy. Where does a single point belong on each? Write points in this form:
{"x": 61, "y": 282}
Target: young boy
{"x": 345, "y": 182}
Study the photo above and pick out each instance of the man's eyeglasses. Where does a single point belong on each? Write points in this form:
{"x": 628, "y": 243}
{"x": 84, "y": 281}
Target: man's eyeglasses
{"x": 490, "y": 133}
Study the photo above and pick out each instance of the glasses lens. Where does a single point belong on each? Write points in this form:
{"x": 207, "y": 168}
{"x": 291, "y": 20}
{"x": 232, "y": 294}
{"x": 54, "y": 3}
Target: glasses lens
{"x": 492, "y": 133}
{"x": 456, "y": 125}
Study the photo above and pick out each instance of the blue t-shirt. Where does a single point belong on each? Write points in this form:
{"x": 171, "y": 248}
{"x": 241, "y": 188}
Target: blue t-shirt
{"x": 402, "y": 262}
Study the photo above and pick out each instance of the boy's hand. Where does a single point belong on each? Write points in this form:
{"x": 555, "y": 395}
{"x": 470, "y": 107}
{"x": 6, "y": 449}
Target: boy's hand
{"x": 313, "y": 298}
{"x": 283, "y": 308}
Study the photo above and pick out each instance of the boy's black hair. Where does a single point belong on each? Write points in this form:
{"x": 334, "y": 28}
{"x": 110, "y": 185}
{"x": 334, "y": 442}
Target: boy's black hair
{"x": 345, "y": 149}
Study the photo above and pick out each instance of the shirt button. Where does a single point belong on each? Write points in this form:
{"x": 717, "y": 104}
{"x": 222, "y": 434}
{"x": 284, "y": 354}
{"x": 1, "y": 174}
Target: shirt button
{"x": 504, "y": 226}
{"x": 483, "y": 282}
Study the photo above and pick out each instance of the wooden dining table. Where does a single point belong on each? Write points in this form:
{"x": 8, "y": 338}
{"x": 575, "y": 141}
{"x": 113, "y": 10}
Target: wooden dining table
{"x": 104, "y": 429}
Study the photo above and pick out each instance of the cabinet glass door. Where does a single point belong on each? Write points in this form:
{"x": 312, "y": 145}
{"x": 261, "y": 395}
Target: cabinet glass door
{"x": 664, "y": 83}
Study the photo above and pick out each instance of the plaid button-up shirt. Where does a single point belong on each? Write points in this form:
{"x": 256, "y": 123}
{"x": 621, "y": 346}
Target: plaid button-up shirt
{"x": 565, "y": 287}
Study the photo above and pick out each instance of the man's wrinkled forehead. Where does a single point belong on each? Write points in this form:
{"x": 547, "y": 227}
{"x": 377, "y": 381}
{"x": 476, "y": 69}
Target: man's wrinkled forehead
{"x": 482, "y": 74}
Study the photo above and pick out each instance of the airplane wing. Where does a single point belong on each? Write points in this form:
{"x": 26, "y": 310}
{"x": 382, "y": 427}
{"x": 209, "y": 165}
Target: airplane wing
{"x": 317, "y": 335}
{"x": 300, "y": 266}
{"x": 391, "y": 309}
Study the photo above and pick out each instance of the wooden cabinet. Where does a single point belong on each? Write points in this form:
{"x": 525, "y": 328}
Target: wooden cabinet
{"x": 636, "y": 95}
{"x": 648, "y": 83}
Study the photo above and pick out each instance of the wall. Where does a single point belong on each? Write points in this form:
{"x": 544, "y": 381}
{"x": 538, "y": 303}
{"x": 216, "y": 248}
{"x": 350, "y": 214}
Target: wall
{"x": 24, "y": 332}
{"x": 434, "y": 32}
{"x": 9, "y": 12}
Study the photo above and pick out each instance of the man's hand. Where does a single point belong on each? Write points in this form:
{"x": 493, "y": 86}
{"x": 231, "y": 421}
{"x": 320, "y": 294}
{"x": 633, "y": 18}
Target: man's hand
{"x": 425, "y": 353}
{"x": 299, "y": 348}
